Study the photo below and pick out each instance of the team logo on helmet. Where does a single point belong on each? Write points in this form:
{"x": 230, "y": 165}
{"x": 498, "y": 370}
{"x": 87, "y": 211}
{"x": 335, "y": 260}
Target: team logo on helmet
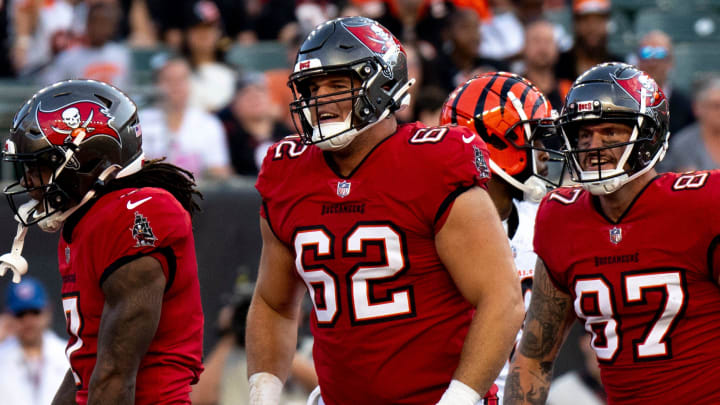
{"x": 63, "y": 123}
{"x": 379, "y": 40}
{"x": 634, "y": 85}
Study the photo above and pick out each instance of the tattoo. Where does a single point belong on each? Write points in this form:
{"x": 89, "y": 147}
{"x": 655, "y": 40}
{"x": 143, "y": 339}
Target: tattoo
{"x": 537, "y": 397}
{"x": 513, "y": 390}
{"x": 546, "y": 316}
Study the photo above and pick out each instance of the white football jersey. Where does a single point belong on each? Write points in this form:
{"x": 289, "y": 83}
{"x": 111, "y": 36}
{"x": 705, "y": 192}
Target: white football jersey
{"x": 520, "y": 227}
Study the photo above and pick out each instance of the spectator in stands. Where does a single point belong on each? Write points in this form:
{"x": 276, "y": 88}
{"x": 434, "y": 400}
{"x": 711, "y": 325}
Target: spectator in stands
{"x": 265, "y": 19}
{"x": 41, "y": 30}
{"x": 212, "y": 81}
{"x": 276, "y": 79}
{"x": 697, "y": 147}
{"x": 189, "y": 137}
{"x": 32, "y": 362}
{"x": 655, "y": 56}
{"x": 582, "y": 386}
{"x": 415, "y": 71}
{"x": 97, "y": 58}
{"x": 428, "y": 105}
{"x": 503, "y": 35}
{"x": 251, "y": 124}
{"x": 539, "y": 58}
{"x": 459, "y": 58}
{"x": 415, "y": 21}
{"x": 168, "y": 18}
{"x": 590, "y": 26}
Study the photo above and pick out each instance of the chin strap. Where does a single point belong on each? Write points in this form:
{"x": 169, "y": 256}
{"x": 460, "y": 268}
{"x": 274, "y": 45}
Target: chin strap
{"x": 336, "y": 142}
{"x": 54, "y": 222}
{"x": 14, "y": 261}
{"x": 533, "y": 189}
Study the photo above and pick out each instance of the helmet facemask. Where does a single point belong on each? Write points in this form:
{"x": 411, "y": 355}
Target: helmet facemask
{"x": 637, "y": 158}
{"x": 35, "y": 195}
{"x": 54, "y": 193}
{"x": 539, "y": 144}
{"x": 363, "y": 114}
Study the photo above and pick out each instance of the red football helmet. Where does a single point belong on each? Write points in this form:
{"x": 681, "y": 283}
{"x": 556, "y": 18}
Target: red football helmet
{"x": 516, "y": 122}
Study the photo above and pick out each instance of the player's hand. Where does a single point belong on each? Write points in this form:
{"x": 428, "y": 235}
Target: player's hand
{"x": 459, "y": 394}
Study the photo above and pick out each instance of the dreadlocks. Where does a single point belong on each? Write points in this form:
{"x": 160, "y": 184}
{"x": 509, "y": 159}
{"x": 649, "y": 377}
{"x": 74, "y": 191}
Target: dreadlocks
{"x": 176, "y": 180}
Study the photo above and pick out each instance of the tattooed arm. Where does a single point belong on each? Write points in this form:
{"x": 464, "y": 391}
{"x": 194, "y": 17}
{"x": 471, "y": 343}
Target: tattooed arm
{"x": 547, "y": 325}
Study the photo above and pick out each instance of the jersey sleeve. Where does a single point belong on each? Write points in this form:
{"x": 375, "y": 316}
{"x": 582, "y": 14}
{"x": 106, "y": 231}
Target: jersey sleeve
{"x": 544, "y": 239}
{"x": 272, "y": 176}
{"x": 149, "y": 222}
{"x": 457, "y": 161}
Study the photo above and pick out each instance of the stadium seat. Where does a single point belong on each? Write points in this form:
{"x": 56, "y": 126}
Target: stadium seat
{"x": 262, "y": 56}
{"x": 682, "y": 24}
{"x": 693, "y": 61}
{"x": 621, "y": 38}
{"x": 140, "y": 60}
{"x": 561, "y": 16}
{"x": 633, "y": 6}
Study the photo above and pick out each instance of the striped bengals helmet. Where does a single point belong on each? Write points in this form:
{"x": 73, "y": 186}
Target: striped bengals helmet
{"x": 515, "y": 120}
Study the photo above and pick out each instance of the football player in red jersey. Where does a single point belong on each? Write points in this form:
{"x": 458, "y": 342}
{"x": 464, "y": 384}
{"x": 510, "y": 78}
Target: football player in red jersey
{"x": 391, "y": 231}
{"x": 126, "y": 254}
{"x": 515, "y": 120}
{"x": 632, "y": 254}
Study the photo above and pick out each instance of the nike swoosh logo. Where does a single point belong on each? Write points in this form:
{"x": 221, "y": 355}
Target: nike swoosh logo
{"x": 468, "y": 139}
{"x": 132, "y": 205}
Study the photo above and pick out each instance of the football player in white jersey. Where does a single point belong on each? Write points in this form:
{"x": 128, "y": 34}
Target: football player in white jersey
{"x": 514, "y": 119}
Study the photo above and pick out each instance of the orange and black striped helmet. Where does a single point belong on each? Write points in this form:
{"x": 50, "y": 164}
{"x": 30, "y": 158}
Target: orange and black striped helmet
{"x": 515, "y": 120}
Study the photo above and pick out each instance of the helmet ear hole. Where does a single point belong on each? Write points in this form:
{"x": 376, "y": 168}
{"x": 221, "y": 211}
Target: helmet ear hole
{"x": 108, "y": 103}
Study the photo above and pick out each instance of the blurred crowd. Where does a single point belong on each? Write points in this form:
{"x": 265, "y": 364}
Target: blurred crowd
{"x": 214, "y": 114}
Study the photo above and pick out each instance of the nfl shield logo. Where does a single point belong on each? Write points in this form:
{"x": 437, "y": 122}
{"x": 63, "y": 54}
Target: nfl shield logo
{"x": 343, "y": 189}
{"x": 615, "y": 235}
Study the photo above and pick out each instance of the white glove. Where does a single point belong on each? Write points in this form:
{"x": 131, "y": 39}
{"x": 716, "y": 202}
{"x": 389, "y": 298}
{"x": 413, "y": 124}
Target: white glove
{"x": 459, "y": 394}
{"x": 265, "y": 389}
{"x": 14, "y": 261}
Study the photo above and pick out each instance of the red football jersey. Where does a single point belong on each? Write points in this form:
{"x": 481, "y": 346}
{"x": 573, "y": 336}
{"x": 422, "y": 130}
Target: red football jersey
{"x": 388, "y": 322}
{"x": 644, "y": 286}
{"x": 118, "y": 228}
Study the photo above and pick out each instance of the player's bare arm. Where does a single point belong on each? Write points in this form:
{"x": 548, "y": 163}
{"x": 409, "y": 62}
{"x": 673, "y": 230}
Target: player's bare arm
{"x": 272, "y": 320}
{"x": 473, "y": 247}
{"x": 133, "y": 303}
{"x": 65, "y": 394}
{"x": 547, "y": 325}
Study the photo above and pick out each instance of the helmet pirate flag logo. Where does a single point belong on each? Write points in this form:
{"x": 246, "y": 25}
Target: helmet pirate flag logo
{"x": 634, "y": 85}
{"x": 379, "y": 40}
{"x": 57, "y": 125}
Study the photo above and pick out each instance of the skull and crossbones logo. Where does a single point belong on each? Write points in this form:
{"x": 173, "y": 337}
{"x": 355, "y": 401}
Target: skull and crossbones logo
{"x": 71, "y": 118}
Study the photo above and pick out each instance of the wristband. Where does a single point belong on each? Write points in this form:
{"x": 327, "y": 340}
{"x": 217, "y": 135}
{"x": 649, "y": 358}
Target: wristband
{"x": 459, "y": 394}
{"x": 265, "y": 389}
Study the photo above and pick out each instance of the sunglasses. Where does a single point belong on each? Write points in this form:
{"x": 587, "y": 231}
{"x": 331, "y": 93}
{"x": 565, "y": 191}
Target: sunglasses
{"x": 653, "y": 52}
{"x": 22, "y": 314}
